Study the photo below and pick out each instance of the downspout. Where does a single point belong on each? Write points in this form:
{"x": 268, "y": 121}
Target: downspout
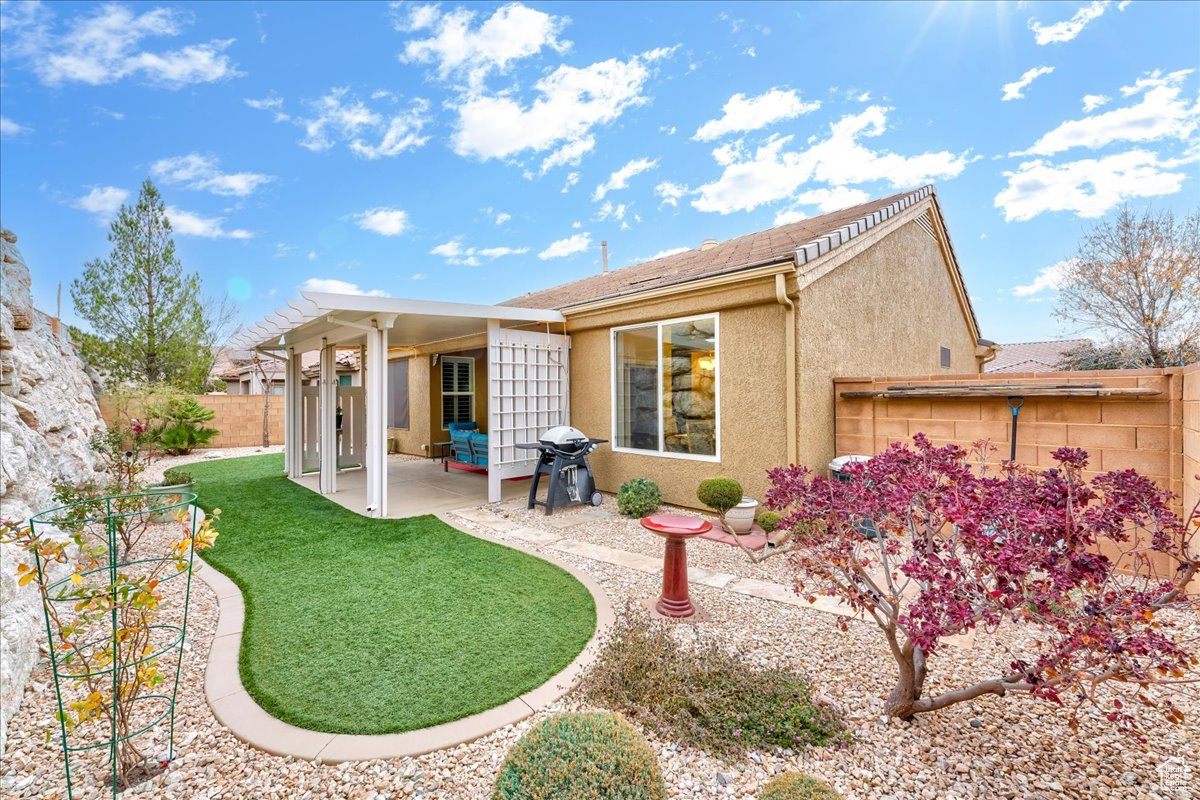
{"x": 789, "y": 317}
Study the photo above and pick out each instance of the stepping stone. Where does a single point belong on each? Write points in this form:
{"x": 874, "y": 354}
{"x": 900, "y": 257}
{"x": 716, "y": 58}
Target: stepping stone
{"x": 765, "y": 590}
{"x": 610, "y": 555}
{"x": 533, "y": 535}
{"x": 717, "y": 580}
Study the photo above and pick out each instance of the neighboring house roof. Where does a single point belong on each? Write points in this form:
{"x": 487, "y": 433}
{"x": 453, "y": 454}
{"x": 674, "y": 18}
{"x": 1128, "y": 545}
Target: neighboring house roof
{"x": 1032, "y": 356}
{"x": 234, "y": 364}
{"x": 800, "y": 242}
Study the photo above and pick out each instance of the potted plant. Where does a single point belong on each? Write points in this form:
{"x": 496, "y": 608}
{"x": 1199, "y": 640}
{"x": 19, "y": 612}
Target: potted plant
{"x": 174, "y": 483}
{"x": 735, "y": 510}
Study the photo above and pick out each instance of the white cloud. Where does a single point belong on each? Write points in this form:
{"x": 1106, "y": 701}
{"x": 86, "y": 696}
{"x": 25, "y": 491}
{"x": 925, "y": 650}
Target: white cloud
{"x": 672, "y": 251}
{"x": 788, "y": 216}
{"x": 1089, "y": 187}
{"x": 865, "y": 97}
{"x": 203, "y": 173}
{"x": 572, "y": 179}
{"x": 10, "y": 128}
{"x": 187, "y": 223}
{"x": 460, "y": 49}
{"x": 608, "y": 210}
{"x": 570, "y": 102}
{"x": 620, "y": 178}
{"x": 1048, "y": 279}
{"x": 340, "y": 116}
{"x": 312, "y": 255}
{"x": 743, "y": 113}
{"x": 105, "y": 45}
{"x": 578, "y": 243}
{"x": 102, "y": 201}
{"x": 670, "y": 192}
{"x": 384, "y": 221}
{"x": 569, "y": 154}
{"x": 1068, "y": 29}
{"x": 1016, "y": 89}
{"x": 455, "y": 253}
{"x": 831, "y": 199}
{"x": 503, "y": 217}
{"x": 772, "y": 173}
{"x": 1161, "y": 114}
{"x": 669, "y": 130}
{"x": 1093, "y": 101}
{"x": 334, "y": 286}
{"x": 418, "y": 276}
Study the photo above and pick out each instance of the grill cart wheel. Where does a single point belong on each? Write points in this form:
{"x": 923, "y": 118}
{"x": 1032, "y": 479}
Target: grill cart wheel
{"x": 597, "y": 498}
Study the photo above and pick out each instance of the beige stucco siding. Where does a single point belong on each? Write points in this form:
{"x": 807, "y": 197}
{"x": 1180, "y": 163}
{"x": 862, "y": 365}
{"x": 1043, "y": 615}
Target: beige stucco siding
{"x": 886, "y": 311}
{"x": 412, "y": 438}
{"x": 750, "y": 373}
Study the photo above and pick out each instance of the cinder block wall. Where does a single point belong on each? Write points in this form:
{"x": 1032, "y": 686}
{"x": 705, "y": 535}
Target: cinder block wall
{"x": 1190, "y": 436}
{"x": 1150, "y": 434}
{"x": 238, "y": 417}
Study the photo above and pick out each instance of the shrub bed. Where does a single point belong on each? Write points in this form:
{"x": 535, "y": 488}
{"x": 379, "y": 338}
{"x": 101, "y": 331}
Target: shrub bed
{"x": 638, "y": 497}
{"x": 703, "y": 696}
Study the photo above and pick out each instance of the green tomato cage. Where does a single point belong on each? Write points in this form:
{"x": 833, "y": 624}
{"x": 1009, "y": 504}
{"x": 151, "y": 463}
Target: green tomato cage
{"x": 121, "y": 681}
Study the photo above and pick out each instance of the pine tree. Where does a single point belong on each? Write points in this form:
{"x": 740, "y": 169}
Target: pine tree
{"x": 148, "y": 316}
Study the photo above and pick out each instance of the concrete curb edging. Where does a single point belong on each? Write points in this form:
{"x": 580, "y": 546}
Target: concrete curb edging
{"x": 236, "y": 709}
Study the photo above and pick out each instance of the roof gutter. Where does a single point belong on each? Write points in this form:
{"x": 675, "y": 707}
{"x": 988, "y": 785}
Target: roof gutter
{"x": 762, "y": 270}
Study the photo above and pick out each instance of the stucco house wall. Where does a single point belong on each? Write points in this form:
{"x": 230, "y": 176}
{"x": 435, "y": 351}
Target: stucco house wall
{"x": 751, "y": 347}
{"x": 889, "y": 309}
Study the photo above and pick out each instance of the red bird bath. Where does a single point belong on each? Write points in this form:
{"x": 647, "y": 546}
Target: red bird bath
{"x": 676, "y": 529}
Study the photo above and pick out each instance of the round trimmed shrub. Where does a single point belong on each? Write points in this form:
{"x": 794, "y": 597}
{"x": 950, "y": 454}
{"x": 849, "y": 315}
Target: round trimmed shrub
{"x": 572, "y": 756}
{"x": 798, "y": 786}
{"x": 638, "y": 497}
{"x": 769, "y": 520}
{"x": 720, "y": 494}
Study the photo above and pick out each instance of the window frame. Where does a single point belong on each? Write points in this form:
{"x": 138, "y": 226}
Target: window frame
{"x": 715, "y": 316}
{"x": 470, "y": 380}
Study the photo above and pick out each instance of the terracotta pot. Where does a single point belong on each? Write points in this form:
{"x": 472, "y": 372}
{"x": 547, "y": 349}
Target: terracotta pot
{"x": 740, "y": 518}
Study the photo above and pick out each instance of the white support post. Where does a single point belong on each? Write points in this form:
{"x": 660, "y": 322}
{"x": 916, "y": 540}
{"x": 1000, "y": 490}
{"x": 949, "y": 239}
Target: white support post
{"x": 377, "y": 403}
{"x": 327, "y": 413}
{"x": 493, "y": 399}
{"x": 293, "y": 412}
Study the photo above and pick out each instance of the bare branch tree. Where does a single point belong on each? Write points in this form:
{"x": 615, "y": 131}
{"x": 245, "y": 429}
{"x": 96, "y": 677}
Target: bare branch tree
{"x": 1137, "y": 279}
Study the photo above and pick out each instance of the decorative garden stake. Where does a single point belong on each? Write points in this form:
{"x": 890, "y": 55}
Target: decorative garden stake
{"x": 1096, "y": 571}
{"x": 102, "y": 571}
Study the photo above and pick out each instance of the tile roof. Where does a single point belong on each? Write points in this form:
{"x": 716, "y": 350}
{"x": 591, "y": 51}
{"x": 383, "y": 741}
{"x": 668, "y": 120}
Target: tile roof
{"x": 1032, "y": 356}
{"x": 813, "y": 237}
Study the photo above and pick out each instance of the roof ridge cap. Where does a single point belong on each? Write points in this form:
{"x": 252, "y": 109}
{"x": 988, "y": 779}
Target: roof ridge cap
{"x": 823, "y": 244}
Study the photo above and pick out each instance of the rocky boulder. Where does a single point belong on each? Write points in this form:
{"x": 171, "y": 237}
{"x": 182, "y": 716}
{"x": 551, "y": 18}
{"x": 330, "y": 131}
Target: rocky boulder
{"x": 48, "y": 411}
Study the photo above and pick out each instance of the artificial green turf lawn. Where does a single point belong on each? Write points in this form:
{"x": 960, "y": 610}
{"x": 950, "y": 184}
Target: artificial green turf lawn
{"x": 357, "y": 625}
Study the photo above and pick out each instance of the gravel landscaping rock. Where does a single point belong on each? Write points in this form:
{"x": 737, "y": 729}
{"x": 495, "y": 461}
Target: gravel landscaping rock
{"x": 991, "y": 748}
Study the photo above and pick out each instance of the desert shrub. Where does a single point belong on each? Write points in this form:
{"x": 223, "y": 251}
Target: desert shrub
{"x": 703, "y": 696}
{"x": 797, "y": 786}
{"x": 638, "y": 497}
{"x": 768, "y": 520}
{"x": 176, "y": 477}
{"x": 719, "y": 494}
{"x": 179, "y": 425}
{"x": 578, "y": 756}
{"x": 1093, "y": 573}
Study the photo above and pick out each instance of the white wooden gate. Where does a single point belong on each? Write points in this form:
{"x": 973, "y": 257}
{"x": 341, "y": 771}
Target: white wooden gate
{"x": 310, "y": 430}
{"x": 352, "y": 430}
{"x": 528, "y": 392}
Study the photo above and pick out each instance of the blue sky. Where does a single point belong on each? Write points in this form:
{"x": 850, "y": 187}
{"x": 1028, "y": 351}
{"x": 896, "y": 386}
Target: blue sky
{"x": 477, "y": 152}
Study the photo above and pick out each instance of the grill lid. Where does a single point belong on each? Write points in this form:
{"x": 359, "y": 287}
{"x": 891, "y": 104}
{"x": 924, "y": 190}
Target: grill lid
{"x": 563, "y": 435}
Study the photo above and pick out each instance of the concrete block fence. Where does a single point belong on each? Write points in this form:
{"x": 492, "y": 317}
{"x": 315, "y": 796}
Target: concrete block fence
{"x": 238, "y": 417}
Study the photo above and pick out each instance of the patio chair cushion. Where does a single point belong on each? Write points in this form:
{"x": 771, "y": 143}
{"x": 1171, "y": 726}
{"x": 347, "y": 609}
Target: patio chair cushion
{"x": 462, "y": 426}
{"x": 479, "y": 448}
{"x": 460, "y": 444}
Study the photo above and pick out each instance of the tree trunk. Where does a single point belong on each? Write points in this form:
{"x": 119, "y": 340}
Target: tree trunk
{"x": 266, "y": 417}
{"x": 909, "y": 685}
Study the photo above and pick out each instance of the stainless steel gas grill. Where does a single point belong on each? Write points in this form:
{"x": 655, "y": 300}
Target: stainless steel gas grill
{"x": 564, "y": 458}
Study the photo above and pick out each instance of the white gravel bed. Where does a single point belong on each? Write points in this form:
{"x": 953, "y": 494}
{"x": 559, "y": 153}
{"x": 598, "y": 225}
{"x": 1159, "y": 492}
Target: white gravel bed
{"x": 992, "y": 748}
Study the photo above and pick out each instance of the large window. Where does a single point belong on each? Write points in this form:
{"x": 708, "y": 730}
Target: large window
{"x": 665, "y": 388}
{"x": 458, "y": 390}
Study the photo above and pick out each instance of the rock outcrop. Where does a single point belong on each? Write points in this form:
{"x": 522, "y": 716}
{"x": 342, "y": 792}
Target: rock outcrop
{"x": 48, "y": 411}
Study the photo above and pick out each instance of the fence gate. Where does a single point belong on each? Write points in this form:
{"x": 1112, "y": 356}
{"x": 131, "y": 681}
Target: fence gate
{"x": 352, "y": 426}
{"x": 528, "y": 392}
{"x": 310, "y": 430}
